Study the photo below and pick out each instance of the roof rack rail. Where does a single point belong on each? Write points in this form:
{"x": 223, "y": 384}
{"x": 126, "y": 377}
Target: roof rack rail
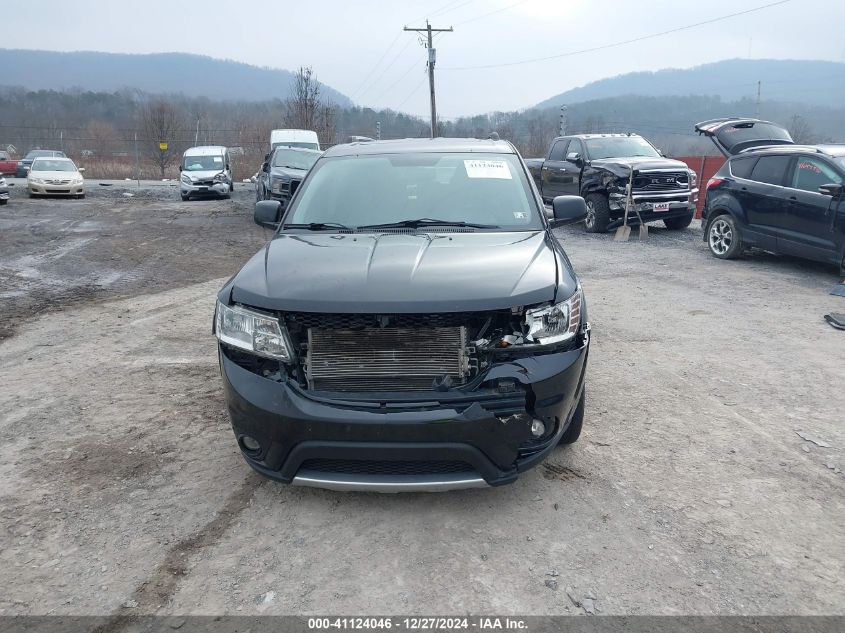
{"x": 790, "y": 148}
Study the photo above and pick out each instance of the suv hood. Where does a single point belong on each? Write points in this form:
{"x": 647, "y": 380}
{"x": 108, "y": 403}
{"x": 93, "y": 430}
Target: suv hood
{"x": 402, "y": 272}
{"x": 733, "y": 135}
{"x": 622, "y": 166}
{"x": 287, "y": 172}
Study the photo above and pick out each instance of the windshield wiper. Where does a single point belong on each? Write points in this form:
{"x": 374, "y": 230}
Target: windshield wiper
{"x": 420, "y": 222}
{"x": 319, "y": 226}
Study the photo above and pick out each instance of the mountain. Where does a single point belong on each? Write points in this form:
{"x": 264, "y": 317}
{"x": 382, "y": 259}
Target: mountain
{"x": 817, "y": 83}
{"x": 156, "y": 73}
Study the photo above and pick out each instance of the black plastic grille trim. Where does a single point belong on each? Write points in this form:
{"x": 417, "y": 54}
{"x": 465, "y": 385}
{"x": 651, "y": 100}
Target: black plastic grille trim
{"x": 374, "y": 467}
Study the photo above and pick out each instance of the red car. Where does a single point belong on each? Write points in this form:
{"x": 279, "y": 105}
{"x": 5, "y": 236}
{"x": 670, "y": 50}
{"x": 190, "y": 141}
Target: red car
{"x": 7, "y": 165}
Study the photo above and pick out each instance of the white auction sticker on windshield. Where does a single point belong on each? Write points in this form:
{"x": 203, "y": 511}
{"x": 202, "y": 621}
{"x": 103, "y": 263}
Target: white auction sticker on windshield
{"x": 480, "y": 168}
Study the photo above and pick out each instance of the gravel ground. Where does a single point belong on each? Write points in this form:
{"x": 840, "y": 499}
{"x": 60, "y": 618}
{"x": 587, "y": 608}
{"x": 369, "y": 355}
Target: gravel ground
{"x": 690, "y": 491}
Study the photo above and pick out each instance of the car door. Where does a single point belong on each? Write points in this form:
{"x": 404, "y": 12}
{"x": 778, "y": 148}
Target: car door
{"x": 808, "y": 227}
{"x": 570, "y": 177}
{"x": 762, "y": 199}
{"x": 553, "y": 173}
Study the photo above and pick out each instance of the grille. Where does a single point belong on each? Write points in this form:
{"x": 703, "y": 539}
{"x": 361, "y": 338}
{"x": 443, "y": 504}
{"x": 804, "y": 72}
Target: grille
{"x": 373, "y": 467}
{"x": 385, "y": 359}
{"x": 58, "y": 182}
{"x": 661, "y": 181}
{"x": 361, "y": 321}
{"x": 293, "y": 186}
{"x": 204, "y": 183}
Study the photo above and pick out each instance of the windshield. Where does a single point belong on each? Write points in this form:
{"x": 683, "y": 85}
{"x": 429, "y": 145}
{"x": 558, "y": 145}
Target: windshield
{"x": 488, "y": 189}
{"x": 293, "y": 159}
{"x": 42, "y": 152}
{"x": 203, "y": 163}
{"x": 302, "y": 144}
{"x": 45, "y": 164}
{"x": 619, "y": 147}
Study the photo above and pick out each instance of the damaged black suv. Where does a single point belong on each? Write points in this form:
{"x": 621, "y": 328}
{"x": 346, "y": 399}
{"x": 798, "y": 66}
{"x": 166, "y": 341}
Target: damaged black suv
{"x": 412, "y": 325}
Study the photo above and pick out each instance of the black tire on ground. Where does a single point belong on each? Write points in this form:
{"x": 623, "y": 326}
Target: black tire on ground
{"x": 232, "y": 186}
{"x": 81, "y": 196}
{"x": 184, "y": 197}
{"x": 32, "y": 195}
{"x": 676, "y": 224}
{"x": 724, "y": 238}
{"x": 2, "y": 202}
{"x": 573, "y": 431}
{"x": 598, "y": 213}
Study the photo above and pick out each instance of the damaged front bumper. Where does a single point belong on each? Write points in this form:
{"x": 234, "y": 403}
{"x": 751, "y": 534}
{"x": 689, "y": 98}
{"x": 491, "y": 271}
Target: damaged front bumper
{"x": 422, "y": 441}
{"x": 653, "y": 206}
{"x": 217, "y": 188}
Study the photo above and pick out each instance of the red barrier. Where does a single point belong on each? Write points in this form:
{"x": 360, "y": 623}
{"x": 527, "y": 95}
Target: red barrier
{"x": 705, "y": 167}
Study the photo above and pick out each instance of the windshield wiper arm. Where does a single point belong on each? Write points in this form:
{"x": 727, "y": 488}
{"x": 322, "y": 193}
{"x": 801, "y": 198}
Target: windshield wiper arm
{"x": 319, "y": 226}
{"x": 420, "y": 222}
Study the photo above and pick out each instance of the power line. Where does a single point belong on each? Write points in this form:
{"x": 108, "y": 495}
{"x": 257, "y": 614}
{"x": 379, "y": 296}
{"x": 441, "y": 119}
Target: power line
{"x": 622, "y": 43}
{"x": 377, "y": 64}
{"x": 484, "y": 15}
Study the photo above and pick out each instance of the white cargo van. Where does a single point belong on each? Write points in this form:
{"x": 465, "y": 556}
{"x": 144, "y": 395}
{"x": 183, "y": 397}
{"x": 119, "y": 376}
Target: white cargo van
{"x": 206, "y": 170}
{"x": 294, "y": 138}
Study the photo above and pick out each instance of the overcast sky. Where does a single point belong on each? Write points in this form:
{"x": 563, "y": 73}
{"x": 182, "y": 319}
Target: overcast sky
{"x": 344, "y": 40}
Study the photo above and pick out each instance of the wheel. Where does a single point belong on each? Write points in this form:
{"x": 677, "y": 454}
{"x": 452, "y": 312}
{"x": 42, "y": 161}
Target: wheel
{"x": 2, "y": 202}
{"x": 573, "y": 431}
{"x": 184, "y": 197}
{"x": 81, "y": 196}
{"x": 232, "y": 186}
{"x": 32, "y": 195}
{"x": 598, "y": 213}
{"x": 723, "y": 238}
{"x": 676, "y": 224}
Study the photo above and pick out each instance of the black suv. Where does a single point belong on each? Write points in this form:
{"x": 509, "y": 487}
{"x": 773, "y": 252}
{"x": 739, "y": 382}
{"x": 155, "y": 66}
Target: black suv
{"x": 774, "y": 195}
{"x": 412, "y": 325}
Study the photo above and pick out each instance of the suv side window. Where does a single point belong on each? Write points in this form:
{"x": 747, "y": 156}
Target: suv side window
{"x": 559, "y": 150}
{"x": 771, "y": 169}
{"x": 575, "y": 146}
{"x": 811, "y": 173}
{"x": 741, "y": 167}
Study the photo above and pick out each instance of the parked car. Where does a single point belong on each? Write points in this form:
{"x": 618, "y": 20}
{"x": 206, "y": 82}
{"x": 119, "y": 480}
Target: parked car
{"x": 7, "y": 165}
{"x": 412, "y": 325}
{"x": 4, "y": 191}
{"x": 206, "y": 170}
{"x": 282, "y": 172}
{"x": 55, "y": 177}
{"x": 306, "y": 139}
{"x": 774, "y": 195}
{"x": 598, "y": 167}
{"x": 24, "y": 164}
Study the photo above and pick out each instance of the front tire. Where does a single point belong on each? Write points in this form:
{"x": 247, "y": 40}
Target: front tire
{"x": 723, "y": 238}
{"x": 677, "y": 224}
{"x": 573, "y": 431}
{"x": 184, "y": 197}
{"x": 3, "y": 202}
{"x": 598, "y": 213}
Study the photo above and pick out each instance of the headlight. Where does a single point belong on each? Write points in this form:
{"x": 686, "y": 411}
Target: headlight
{"x": 37, "y": 181}
{"x": 251, "y": 331}
{"x": 693, "y": 179}
{"x": 2, "y": 182}
{"x": 77, "y": 180}
{"x": 186, "y": 179}
{"x": 554, "y": 324}
{"x": 221, "y": 177}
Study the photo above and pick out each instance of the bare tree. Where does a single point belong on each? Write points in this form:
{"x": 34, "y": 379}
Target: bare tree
{"x": 161, "y": 125}
{"x": 302, "y": 107}
{"x": 102, "y": 137}
{"x": 305, "y": 108}
{"x": 800, "y": 131}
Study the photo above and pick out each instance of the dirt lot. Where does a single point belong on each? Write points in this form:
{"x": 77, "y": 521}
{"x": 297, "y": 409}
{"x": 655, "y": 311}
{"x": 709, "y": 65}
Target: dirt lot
{"x": 690, "y": 491}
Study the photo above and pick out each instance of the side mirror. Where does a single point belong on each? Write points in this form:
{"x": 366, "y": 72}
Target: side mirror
{"x": 831, "y": 190}
{"x": 80, "y": 169}
{"x": 265, "y": 167}
{"x": 573, "y": 157}
{"x": 268, "y": 213}
{"x": 266, "y": 158}
{"x": 568, "y": 210}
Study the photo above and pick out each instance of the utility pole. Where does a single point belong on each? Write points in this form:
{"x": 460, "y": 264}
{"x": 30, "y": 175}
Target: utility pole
{"x": 759, "y": 87}
{"x": 432, "y": 58}
{"x": 378, "y": 130}
{"x": 562, "y": 129}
